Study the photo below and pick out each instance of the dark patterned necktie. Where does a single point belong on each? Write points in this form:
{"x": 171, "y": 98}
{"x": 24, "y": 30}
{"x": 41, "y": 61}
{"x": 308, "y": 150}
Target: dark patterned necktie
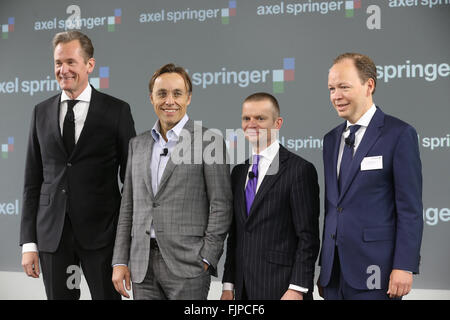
{"x": 347, "y": 156}
{"x": 69, "y": 127}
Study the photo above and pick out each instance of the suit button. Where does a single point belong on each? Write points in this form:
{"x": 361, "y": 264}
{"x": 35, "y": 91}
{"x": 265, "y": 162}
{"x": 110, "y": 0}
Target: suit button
{"x": 64, "y": 191}
{"x": 155, "y": 205}
{"x": 339, "y": 209}
{"x": 333, "y": 236}
{"x": 69, "y": 164}
{"x": 147, "y": 232}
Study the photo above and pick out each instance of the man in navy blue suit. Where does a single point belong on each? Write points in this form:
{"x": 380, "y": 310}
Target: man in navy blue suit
{"x": 373, "y": 192}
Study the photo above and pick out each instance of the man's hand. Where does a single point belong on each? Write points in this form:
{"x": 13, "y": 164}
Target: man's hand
{"x": 292, "y": 295}
{"x": 30, "y": 264}
{"x": 121, "y": 273}
{"x": 227, "y": 295}
{"x": 205, "y": 266}
{"x": 320, "y": 288}
{"x": 400, "y": 283}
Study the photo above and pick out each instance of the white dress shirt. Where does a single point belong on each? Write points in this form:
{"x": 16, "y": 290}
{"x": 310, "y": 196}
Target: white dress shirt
{"x": 80, "y": 111}
{"x": 364, "y": 123}
{"x": 158, "y": 162}
{"x": 265, "y": 160}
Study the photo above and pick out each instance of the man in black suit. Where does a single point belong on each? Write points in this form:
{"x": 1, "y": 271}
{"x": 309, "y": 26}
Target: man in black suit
{"x": 78, "y": 140}
{"x": 274, "y": 239}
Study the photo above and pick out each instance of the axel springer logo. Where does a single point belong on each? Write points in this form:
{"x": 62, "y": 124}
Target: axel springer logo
{"x": 7, "y": 147}
{"x": 285, "y": 74}
{"x": 102, "y": 81}
{"x": 350, "y": 7}
{"x": 116, "y": 19}
{"x": 77, "y": 21}
{"x": 7, "y": 28}
{"x": 308, "y": 7}
{"x": 200, "y": 15}
{"x": 244, "y": 78}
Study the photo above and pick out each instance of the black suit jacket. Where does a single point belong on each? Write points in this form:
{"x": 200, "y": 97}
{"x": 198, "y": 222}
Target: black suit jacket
{"x": 84, "y": 183}
{"x": 278, "y": 243}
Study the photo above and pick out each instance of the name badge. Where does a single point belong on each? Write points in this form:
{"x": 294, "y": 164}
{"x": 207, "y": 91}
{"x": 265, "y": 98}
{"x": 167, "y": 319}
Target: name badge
{"x": 372, "y": 163}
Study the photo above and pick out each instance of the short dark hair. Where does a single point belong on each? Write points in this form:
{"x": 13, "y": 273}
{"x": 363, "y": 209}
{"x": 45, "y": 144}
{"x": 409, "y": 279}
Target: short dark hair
{"x": 365, "y": 66}
{"x": 171, "y": 68}
{"x": 259, "y": 96}
{"x": 68, "y": 36}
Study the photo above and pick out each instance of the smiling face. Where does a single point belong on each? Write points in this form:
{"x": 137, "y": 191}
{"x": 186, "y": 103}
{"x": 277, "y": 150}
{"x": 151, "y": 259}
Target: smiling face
{"x": 350, "y": 96}
{"x": 71, "y": 68}
{"x": 170, "y": 98}
{"x": 260, "y": 123}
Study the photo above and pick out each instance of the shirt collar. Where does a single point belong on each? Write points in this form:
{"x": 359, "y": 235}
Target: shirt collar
{"x": 172, "y": 134}
{"x": 270, "y": 152}
{"x": 365, "y": 119}
{"x": 84, "y": 96}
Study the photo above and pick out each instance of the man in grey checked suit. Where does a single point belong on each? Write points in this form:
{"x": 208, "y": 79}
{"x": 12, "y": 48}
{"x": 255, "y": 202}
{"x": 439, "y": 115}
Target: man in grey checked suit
{"x": 174, "y": 214}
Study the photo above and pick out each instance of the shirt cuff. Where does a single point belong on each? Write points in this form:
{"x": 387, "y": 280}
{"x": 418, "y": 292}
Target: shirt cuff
{"x": 29, "y": 247}
{"x": 119, "y": 264}
{"x": 298, "y": 288}
{"x": 228, "y": 286}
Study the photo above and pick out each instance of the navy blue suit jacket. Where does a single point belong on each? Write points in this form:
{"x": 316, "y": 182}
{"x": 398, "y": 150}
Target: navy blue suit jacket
{"x": 376, "y": 220}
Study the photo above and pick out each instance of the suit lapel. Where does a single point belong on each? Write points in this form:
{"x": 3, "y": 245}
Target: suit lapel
{"x": 274, "y": 172}
{"x": 170, "y": 165}
{"x": 147, "y": 151}
{"x": 54, "y": 111}
{"x": 333, "y": 179}
{"x": 96, "y": 108}
{"x": 240, "y": 191}
{"x": 370, "y": 137}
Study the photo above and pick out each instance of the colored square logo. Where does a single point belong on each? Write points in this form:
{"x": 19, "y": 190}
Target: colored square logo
{"x": 278, "y": 87}
{"x": 102, "y": 81}
{"x": 7, "y": 28}
{"x": 7, "y": 147}
{"x": 289, "y": 75}
{"x": 95, "y": 82}
{"x": 104, "y": 72}
{"x": 289, "y": 63}
{"x": 350, "y": 7}
{"x": 278, "y": 75}
{"x": 232, "y": 7}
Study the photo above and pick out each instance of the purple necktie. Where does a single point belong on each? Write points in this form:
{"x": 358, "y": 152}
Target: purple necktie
{"x": 347, "y": 156}
{"x": 250, "y": 190}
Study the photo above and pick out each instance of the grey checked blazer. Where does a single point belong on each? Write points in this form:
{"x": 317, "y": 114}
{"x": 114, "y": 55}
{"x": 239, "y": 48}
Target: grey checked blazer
{"x": 191, "y": 212}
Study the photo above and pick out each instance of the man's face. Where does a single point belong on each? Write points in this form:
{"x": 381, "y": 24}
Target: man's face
{"x": 260, "y": 123}
{"x": 350, "y": 97}
{"x": 71, "y": 69}
{"x": 170, "y": 98}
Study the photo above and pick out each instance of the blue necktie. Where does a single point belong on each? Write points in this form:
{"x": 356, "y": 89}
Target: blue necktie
{"x": 250, "y": 190}
{"x": 347, "y": 156}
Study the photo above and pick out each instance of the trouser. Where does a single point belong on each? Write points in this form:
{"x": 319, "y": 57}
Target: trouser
{"x": 62, "y": 274}
{"x": 339, "y": 289}
{"x": 161, "y": 284}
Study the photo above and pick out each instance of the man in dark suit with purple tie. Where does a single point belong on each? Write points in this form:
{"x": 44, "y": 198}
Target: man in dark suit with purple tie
{"x": 274, "y": 238}
{"x": 373, "y": 192}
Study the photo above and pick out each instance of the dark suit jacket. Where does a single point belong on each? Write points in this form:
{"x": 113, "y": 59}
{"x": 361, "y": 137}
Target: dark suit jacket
{"x": 85, "y": 183}
{"x": 278, "y": 243}
{"x": 377, "y": 218}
